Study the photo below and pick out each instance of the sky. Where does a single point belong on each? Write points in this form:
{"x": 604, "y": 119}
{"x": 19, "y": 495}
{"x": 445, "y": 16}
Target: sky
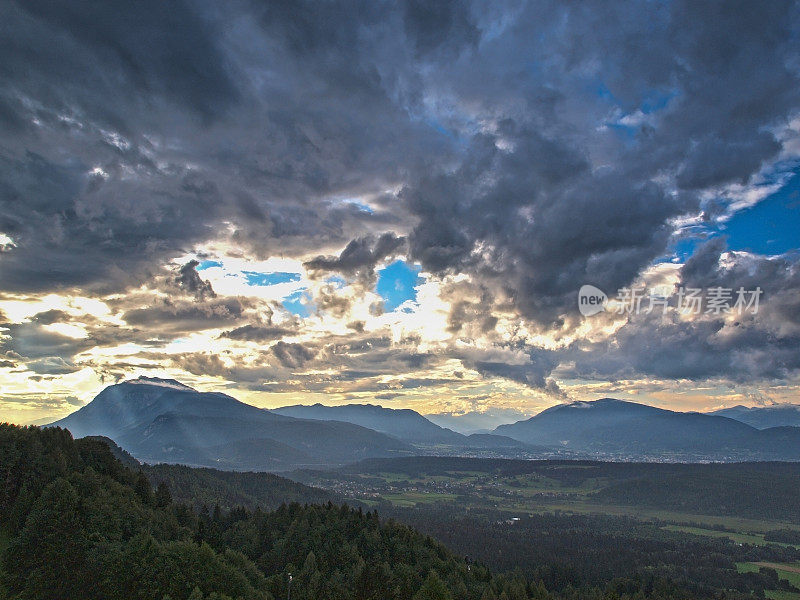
{"x": 398, "y": 203}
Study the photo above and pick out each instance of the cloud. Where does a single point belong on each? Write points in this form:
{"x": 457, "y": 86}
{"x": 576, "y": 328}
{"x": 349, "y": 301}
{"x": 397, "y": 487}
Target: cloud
{"x": 180, "y": 316}
{"x": 256, "y": 333}
{"x": 52, "y": 365}
{"x": 359, "y": 256}
{"x": 189, "y": 279}
{"x": 742, "y": 346}
{"x": 514, "y": 151}
{"x": 291, "y": 355}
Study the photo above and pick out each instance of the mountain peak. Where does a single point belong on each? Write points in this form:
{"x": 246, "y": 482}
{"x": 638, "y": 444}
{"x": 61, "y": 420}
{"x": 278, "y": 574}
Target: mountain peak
{"x": 160, "y": 382}
{"x": 598, "y": 402}
{"x": 163, "y": 420}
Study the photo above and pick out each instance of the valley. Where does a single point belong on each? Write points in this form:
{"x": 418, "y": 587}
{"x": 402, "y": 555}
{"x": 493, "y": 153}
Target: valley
{"x": 583, "y": 500}
{"x": 688, "y": 493}
{"x": 549, "y": 529}
{"x": 557, "y": 503}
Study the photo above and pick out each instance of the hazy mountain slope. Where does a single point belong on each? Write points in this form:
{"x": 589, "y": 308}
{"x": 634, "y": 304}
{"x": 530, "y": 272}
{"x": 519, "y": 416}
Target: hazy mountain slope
{"x": 763, "y": 417}
{"x": 491, "y": 440}
{"x": 208, "y": 487}
{"x": 160, "y": 420}
{"x": 617, "y": 427}
{"x": 476, "y": 421}
{"x": 129, "y": 404}
{"x": 404, "y": 424}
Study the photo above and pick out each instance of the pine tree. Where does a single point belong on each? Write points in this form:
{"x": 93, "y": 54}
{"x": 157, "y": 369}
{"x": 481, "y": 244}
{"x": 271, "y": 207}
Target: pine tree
{"x": 48, "y": 557}
{"x": 143, "y": 489}
{"x": 488, "y": 594}
{"x": 163, "y": 497}
{"x": 196, "y": 594}
{"x": 433, "y": 589}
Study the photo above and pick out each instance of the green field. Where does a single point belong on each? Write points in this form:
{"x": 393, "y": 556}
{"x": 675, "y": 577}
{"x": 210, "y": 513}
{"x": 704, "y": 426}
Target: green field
{"x": 412, "y": 498}
{"x": 755, "y": 539}
{"x": 539, "y": 494}
{"x": 792, "y": 576}
{"x": 749, "y": 526}
{"x": 781, "y": 595}
{"x": 534, "y": 493}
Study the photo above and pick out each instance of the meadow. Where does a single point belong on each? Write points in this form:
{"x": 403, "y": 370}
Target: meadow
{"x": 485, "y": 507}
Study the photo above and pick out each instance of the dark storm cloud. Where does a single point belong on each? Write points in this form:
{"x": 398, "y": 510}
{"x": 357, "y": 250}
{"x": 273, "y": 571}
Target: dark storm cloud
{"x": 189, "y": 279}
{"x": 292, "y": 355}
{"x": 525, "y": 206}
{"x": 33, "y": 341}
{"x": 52, "y": 365}
{"x": 530, "y": 367}
{"x": 126, "y": 39}
{"x": 433, "y": 26}
{"x": 180, "y": 316}
{"x": 143, "y": 136}
{"x": 673, "y": 349}
{"x": 89, "y": 82}
{"x": 751, "y": 346}
{"x": 360, "y": 255}
{"x": 257, "y": 333}
{"x": 536, "y": 146}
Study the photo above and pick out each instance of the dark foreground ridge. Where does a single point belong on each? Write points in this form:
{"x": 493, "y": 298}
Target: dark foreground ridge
{"x": 77, "y": 523}
{"x": 82, "y": 525}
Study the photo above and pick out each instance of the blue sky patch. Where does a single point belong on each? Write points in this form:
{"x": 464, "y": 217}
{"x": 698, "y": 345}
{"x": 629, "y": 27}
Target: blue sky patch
{"x": 655, "y": 100}
{"x": 299, "y": 303}
{"x": 681, "y": 249}
{"x": 770, "y": 227}
{"x": 398, "y": 283}
{"x": 207, "y": 264}
{"x": 264, "y": 279}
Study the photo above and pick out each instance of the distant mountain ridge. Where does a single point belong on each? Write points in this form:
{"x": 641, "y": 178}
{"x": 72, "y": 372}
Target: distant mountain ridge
{"x": 160, "y": 420}
{"x": 764, "y": 417}
{"x": 164, "y": 421}
{"x": 477, "y": 421}
{"x": 403, "y": 423}
{"x": 618, "y": 429}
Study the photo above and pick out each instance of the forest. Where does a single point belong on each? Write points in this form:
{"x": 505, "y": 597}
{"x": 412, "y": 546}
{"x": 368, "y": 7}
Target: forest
{"x": 77, "y": 523}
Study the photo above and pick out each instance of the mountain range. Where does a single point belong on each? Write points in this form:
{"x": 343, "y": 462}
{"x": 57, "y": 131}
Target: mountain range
{"x": 475, "y": 421}
{"x": 161, "y": 420}
{"x": 764, "y": 417}
{"x": 404, "y": 424}
{"x": 619, "y": 429}
{"x": 164, "y": 421}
